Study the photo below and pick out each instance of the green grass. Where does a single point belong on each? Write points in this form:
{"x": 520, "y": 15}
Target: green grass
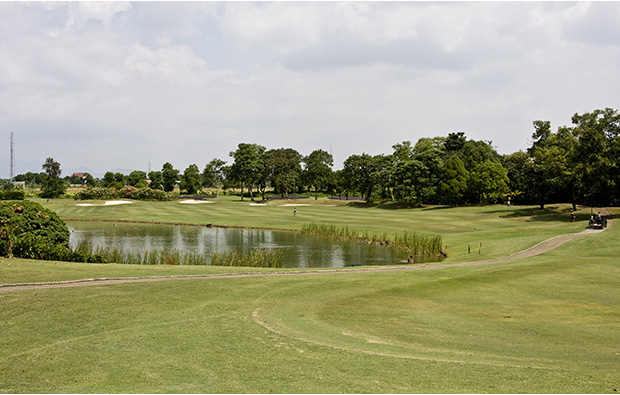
{"x": 547, "y": 324}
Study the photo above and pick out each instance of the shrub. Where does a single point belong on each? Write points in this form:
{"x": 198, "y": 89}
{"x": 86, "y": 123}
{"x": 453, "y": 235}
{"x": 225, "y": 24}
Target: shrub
{"x": 96, "y": 194}
{"x": 145, "y": 194}
{"x": 23, "y": 217}
{"x": 12, "y": 194}
{"x": 126, "y": 193}
{"x": 29, "y": 230}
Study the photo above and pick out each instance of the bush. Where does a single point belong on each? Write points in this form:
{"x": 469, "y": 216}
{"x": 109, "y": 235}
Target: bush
{"x": 125, "y": 193}
{"x": 29, "y": 230}
{"x": 144, "y": 194}
{"x": 23, "y": 217}
{"x": 12, "y": 194}
{"x": 96, "y": 194}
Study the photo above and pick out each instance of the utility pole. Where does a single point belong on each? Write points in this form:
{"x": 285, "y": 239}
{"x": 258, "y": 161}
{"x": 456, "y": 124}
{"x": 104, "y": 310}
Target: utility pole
{"x": 12, "y": 157}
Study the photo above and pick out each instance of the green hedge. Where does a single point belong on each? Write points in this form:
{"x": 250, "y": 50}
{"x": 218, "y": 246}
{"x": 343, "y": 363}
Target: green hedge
{"x": 125, "y": 193}
{"x": 143, "y": 194}
{"x": 96, "y": 194}
{"x": 12, "y": 195}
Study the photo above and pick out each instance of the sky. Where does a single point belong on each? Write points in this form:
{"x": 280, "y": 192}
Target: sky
{"x": 102, "y": 86}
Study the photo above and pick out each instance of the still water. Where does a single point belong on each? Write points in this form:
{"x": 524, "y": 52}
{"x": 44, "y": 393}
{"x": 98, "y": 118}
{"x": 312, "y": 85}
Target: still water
{"x": 299, "y": 250}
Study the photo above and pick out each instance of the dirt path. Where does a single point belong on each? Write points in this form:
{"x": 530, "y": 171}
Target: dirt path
{"x": 538, "y": 249}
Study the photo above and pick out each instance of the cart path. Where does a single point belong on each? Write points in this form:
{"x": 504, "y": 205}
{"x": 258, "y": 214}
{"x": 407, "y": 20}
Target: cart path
{"x": 538, "y": 249}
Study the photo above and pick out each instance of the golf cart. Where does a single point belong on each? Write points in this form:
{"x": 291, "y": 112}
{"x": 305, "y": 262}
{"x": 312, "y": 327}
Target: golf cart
{"x": 597, "y": 222}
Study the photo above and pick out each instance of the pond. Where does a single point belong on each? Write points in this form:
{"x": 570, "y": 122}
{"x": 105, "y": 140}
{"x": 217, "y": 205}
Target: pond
{"x": 300, "y": 251}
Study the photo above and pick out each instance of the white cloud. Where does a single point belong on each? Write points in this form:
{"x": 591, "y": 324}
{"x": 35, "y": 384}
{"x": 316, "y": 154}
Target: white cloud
{"x": 186, "y": 82}
{"x": 173, "y": 64}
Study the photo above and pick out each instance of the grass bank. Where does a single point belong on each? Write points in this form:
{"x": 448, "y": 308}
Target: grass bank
{"x": 546, "y": 324}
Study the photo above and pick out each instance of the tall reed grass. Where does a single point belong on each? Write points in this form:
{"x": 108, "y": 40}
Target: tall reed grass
{"x": 412, "y": 242}
{"x": 252, "y": 258}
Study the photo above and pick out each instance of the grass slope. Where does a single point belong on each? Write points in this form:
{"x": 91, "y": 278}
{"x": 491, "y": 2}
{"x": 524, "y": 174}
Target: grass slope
{"x": 547, "y": 324}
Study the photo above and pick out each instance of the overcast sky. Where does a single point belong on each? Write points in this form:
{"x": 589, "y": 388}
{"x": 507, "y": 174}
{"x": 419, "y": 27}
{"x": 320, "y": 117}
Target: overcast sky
{"x": 115, "y": 85}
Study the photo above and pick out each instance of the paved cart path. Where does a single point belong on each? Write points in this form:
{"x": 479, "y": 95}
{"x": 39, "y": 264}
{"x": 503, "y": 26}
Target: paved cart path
{"x": 538, "y": 249}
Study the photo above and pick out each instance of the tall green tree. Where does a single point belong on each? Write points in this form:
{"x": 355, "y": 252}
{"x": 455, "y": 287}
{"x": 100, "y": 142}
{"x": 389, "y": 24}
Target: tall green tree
{"x": 488, "y": 180}
{"x": 430, "y": 151}
{"x": 358, "y": 170}
{"x": 412, "y": 179}
{"x": 214, "y": 174}
{"x": 170, "y": 176}
{"x": 519, "y": 170}
{"x": 113, "y": 180}
{"x": 137, "y": 178}
{"x": 283, "y": 169}
{"x": 249, "y": 165}
{"x": 402, "y": 154}
{"x": 453, "y": 181}
{"x": 318, "y": 171}
{"x": 191, "y": 180}
{"x": 383, "y": 173}
{"x": 157, "y": 180}
{"x": 52, "y": 185}
{"x": 551, "y": 175}
{"x": 89, "y": 180}
{"x": 454, "y": 143}
{"x": 475, "y": 152}
{"x": 596, "y": 156}
{"x": 402, "y": 151}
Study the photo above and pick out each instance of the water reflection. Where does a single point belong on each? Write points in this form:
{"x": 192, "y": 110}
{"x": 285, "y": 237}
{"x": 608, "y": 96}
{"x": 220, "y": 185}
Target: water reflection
{"x": 299, "y": 250}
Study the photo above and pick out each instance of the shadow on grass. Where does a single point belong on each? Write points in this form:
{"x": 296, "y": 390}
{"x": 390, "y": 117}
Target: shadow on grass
{"x": 386, "y": 205}
{"x": 548, "y": 214}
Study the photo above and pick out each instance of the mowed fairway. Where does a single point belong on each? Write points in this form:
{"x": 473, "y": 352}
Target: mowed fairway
{"x": 546, "y": 324}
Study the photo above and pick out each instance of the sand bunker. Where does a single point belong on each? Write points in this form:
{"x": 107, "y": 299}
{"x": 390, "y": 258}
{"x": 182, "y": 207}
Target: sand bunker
{"x": 108, "y": 203}
{"x": 193, "y": 201}
{"x": 257, "y": 204}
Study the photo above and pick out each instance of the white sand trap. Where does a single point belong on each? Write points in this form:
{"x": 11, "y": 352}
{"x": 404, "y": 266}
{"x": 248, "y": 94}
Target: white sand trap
{"x": 108, "y": 203}
{"x": 257, "y": 204}
{"x": 193, "y": 201}
{"x": 285, "y": 205}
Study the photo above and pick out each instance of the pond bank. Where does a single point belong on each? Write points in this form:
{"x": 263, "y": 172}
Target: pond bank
{"x": 132, "y": 221}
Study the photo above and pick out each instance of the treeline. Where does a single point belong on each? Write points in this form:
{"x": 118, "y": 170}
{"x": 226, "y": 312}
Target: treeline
{"x": 578, "y": 164}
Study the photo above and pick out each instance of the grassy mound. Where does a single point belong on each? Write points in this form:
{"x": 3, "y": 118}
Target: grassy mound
{"x": 546, "y": 324}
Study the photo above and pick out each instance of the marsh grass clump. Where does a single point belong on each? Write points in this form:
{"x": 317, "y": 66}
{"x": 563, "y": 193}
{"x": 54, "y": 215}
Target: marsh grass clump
{"x": 413, "y": 243}
{"x": 253, "y": 258}
{"x": 146, "y": 257}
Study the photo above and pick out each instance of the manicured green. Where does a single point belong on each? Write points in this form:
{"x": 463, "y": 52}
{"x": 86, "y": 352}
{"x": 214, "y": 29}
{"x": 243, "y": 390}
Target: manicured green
{"x": 547, "y": 324}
